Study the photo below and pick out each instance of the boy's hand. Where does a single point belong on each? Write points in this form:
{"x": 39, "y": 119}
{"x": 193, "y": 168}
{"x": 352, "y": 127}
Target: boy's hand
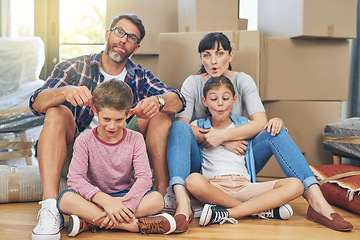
{"x": 115, "y": 212}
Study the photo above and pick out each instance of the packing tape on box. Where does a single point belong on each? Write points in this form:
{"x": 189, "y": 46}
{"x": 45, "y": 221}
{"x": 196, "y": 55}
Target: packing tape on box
{"x": 330, "y": 30}
{"x": 235, "y": 42}
{"x": 21, "y": 153}
{"x": 16, "y": 145}
{"x": 22, "y": 184}
{"x": 13, "y": 184}
{"x": 14, "y": 112}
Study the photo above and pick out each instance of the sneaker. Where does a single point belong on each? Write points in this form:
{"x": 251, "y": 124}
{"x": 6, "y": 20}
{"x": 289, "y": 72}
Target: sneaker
{"x": 50, "y": 222}
{"x": 282, "y": 212}
{"x": 161, "y": 223}
{"x": 78, "y": 225}
{"x": 170, "y": 202}
{"x": 215, "y": 214}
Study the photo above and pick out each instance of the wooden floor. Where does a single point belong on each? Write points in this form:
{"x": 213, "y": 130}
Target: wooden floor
{"x": 18, "y": 219}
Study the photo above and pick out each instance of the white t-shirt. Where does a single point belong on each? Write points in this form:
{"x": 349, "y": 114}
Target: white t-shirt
{"x": 220, "y": 161}
{"x": 95, "y": 121}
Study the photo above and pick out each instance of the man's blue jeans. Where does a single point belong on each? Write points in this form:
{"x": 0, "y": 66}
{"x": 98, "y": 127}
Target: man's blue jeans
{"x": 184, "y": 154}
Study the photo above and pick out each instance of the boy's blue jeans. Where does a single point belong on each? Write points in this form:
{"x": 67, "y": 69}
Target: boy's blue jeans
{"x": 184, "y": 155}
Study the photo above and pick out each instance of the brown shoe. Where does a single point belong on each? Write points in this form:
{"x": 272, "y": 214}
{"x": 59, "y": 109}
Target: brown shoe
{"x": 338, "y": 223}
{"x": 161, "y": 223}
{"x": 78, "y": 225}
{"x": 181, "y": 224}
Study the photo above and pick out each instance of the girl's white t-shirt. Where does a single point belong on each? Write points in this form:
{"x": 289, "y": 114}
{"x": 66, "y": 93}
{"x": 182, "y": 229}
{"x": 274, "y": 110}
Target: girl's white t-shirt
{"x": 220, "y": 161}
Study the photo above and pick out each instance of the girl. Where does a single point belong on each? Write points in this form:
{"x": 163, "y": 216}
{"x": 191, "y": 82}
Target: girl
{"x": 223, "y": 170}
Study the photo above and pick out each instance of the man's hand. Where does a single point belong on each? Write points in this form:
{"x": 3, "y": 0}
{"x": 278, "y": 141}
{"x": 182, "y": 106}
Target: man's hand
{"x": 78, "y": 96}
{"x": 147, "y": 108}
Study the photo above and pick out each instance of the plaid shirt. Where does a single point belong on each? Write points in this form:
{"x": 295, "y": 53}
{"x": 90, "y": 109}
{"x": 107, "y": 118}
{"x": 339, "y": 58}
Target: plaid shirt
{"x": 85, "y": 71}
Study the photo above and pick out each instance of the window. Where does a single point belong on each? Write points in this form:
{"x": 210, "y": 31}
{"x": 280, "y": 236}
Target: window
{"x": 17, "y": 17}
{"x": 82, "y": 27}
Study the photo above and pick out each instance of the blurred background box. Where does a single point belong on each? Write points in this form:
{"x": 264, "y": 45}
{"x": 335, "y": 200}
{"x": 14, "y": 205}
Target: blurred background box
{"x": 179, "y": 55}
{"x": 208, "y": 15}
{"x": 158, "y": 16}
{"x": 306, "y": 121}
{"x": 305, "y": 69}
{"x": 308, "y": 18}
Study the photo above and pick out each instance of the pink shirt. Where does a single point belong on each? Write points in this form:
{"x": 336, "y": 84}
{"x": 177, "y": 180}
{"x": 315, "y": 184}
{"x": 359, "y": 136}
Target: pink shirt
{"x": 100, "y": 166}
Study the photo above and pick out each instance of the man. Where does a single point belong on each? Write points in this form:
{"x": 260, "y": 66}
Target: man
{"x": 66, "y": 99}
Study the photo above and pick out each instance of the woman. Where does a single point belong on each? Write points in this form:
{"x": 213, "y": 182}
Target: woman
{"x": 184, "y": 156}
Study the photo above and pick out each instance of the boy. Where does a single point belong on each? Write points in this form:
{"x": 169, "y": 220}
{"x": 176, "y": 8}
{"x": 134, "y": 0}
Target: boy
{"x": 101, "y": 190}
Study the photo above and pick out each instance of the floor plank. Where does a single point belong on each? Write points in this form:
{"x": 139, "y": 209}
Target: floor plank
{"x": 18, "y": 219}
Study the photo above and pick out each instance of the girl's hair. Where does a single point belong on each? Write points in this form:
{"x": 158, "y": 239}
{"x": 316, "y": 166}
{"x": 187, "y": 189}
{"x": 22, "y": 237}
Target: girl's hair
{"x": 208, "y": 42}
{"x": 217, "y": 82}
{"x": 113, "y": 94}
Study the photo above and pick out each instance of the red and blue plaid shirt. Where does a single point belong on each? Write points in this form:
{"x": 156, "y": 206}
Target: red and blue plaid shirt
{"x": 85, "y": 71}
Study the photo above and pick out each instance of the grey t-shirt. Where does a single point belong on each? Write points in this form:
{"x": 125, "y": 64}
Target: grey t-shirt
{"x": 247, "y": 96}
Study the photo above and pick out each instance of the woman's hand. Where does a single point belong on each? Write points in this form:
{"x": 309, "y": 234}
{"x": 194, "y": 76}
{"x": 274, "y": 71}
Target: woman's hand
{"x": 274, "y": 125}
{"x": 115, "y": 212}
{"x": 212, "y": 138}
{"x": 237, "y": 147}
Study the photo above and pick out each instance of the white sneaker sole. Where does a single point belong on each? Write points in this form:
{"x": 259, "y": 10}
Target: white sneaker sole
{"x": 35, "y": 236}
{"x": 171, "y": 221}
{"x": 205, "y": 215}
{"x": 285, "y": 211}
{"x": 74, "y": 226}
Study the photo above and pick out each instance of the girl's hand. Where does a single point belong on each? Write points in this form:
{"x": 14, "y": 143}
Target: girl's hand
{"x": 115, "y": 212}
{"x": 237, "y": 147}
{"x": 212, "y": 138}
{"x": 274, "y": 125}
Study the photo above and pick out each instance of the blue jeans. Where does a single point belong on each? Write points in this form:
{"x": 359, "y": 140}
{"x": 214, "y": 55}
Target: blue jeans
{"x": 184, "y": 155}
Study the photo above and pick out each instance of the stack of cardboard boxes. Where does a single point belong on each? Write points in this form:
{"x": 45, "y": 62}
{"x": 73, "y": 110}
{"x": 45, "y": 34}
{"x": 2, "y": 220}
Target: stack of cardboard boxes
{"x": 299, "y": 58}
{"x": 306, "y": 75}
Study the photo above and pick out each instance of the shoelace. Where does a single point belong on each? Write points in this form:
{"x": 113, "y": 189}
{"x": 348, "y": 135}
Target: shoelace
{"x": 265, "y": 214}
{"x": 149, "y": 226}
{"x": 221, "y": 217}
{"x": 45, "y": 220}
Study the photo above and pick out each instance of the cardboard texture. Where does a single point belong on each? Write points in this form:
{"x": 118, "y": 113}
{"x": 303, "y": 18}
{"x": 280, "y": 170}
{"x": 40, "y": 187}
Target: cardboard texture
{"x": 305, "y": 69}
{"x": 149, "y": 62}
{"x": 179, "y": 55}
{"x": 308, "y": 18}
{"x": 157, "y": 15}
{"x": 208, "y": 15}
{"x": 306, "y": 121}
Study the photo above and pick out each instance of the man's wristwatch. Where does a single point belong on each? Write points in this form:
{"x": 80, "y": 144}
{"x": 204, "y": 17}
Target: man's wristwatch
{"x": 161, "y": 101}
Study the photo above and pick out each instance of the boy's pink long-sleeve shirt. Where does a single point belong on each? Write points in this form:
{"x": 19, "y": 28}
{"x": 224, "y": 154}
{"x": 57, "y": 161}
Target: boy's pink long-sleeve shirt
{"x": 100, "y": 166}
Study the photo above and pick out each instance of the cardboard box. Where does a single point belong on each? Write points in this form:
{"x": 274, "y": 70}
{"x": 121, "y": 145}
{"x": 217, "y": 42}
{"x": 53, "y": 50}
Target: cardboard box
{"x": 208, "y": 15}
{"x": 157, "y": 16}
{"x": 149, "y": 62}
{"x": 308, "y": 18}
{"x": 305, "y": 69}
{"x": 306, "y": 121}
{"x": 179, "y": 57}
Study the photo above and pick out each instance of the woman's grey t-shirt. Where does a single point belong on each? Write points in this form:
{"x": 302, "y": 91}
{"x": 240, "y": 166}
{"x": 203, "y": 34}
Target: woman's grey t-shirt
{"x": 245, "y": 88}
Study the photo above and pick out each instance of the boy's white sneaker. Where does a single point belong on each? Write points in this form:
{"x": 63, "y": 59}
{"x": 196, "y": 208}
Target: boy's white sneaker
{"x": 50, "y": 222}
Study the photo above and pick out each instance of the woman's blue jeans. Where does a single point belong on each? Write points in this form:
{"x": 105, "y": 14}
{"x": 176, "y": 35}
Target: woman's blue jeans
{"x": 184, "y": 155}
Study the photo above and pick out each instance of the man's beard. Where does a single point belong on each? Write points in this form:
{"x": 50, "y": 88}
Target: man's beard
{"x": 114, "y": 56}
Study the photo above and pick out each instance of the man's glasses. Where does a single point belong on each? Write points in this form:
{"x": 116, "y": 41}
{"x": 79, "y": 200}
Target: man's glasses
{"x": 121, "y": 33}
